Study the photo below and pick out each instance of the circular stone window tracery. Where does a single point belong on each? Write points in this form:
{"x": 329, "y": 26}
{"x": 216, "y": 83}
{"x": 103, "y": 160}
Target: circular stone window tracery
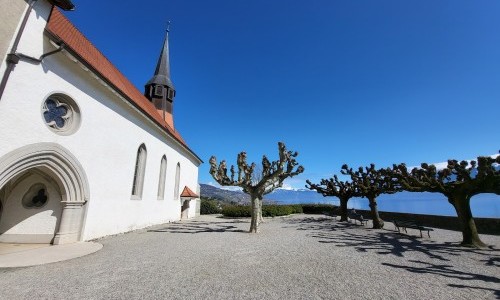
{"x": 61, "y": 114}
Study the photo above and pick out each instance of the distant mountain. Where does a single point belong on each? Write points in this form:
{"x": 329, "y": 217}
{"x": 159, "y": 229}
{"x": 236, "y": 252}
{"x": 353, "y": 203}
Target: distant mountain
{"x": 278, "y": 195}
{"x": 209, "y": 191}
{"x": 299, "y": 196}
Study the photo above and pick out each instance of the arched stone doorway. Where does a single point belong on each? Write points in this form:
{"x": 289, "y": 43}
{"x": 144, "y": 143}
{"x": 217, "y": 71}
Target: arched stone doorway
{"x": 31, "y": 209}
{"x": 186, "y": 196}
{"x": 43, "y": 190}
{"x": 185, "y": 210}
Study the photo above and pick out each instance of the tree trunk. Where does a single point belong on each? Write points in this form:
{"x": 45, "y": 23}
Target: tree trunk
{"x": 254, "y": 223}
{"x": 378, "y": 223}
{"x": 343, "y": 209}
{"x": 261, "y": 219}
{"x": 469, "y": 230}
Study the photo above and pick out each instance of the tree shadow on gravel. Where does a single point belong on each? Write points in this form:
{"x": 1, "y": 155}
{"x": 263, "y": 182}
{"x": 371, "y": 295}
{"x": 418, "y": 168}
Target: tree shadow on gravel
{"x": 445, "y": 270}
{"x": 390, "y": 242}
{"x": 200, "y": 227}
{"x": 384, "y": 242}
{"x": 495, "y": 292}
{"x": 450, "y": 271}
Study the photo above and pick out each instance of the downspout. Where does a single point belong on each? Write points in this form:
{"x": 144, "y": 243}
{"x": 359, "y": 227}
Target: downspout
{"x": 18, "y": 56}
{"x": 12, "y": 60}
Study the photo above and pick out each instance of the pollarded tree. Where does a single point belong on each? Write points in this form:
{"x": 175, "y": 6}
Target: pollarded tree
{"x": 370, "y": 183}
{"x": 343, "y": 190}
{"x": 459, "y": 182}
{"x": 257, "y": 185}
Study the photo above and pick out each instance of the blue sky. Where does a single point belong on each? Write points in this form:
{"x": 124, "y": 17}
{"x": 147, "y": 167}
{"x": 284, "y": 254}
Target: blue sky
{"x": 351, "y": 82}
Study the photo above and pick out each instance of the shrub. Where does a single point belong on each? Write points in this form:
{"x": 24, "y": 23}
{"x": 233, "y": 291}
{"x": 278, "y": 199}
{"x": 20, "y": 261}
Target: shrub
{"x": 276, "y": 210}
{"x": 237, "y": 211}
{"x": 319, "y": 209}
{"x": 240, "y": 211}
{"x": 297, "y": 208}
{"x": 210, "y": 206}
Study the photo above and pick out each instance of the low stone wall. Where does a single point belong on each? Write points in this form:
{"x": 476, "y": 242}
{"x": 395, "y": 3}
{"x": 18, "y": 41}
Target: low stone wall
{"x": 484, "y": 225}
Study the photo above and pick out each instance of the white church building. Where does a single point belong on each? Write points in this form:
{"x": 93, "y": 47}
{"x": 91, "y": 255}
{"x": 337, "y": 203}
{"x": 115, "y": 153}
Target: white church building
{"x": 83, "y": 153}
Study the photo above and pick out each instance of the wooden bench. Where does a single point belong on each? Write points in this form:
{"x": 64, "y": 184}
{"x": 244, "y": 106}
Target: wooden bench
{"x": 403, "y": 225}
{"x": 330, "y": 213}
{"x": 357, "y": 217}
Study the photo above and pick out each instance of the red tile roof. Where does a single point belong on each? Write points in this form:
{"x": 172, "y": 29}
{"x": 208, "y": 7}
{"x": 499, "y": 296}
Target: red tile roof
{"x": 188, "y": 193}
{"x": 61, "y": 29}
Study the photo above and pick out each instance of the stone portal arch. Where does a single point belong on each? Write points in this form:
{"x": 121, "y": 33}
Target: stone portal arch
{"x": 59, "y": 164}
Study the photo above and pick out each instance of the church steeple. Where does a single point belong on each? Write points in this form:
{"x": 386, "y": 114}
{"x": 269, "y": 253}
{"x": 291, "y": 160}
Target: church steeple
{"x": 159, "y": 89}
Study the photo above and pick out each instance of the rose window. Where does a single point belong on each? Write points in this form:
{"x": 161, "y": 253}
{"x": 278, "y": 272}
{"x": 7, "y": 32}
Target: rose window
{"x": 61, "y": 114}
{"x": 56, "y": 114}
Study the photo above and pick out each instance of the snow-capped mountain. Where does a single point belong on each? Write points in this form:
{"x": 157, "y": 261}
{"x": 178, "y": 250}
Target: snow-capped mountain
{"x": 286, "y": 195}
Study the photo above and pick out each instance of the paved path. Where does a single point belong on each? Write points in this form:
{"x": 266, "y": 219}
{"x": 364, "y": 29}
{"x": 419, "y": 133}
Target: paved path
{"x": 298, "y": 257}
{"x": 23, "y": 255}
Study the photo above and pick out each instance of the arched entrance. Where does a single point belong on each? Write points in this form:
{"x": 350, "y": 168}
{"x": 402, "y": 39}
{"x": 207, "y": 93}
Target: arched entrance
{"x": 186, "y": 196}
{"x": 43, "y": 190}
{"x": 185, "y": 210}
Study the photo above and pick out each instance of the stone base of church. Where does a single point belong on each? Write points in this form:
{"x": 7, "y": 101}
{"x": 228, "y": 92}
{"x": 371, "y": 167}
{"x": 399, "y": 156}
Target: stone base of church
{"x": 26, "y": 238}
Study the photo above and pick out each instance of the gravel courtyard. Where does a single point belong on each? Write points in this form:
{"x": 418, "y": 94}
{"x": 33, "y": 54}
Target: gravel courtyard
{"x": 297, "y": 257}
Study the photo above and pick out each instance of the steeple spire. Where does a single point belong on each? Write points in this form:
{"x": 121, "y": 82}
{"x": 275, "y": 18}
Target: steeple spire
{"x": 159, "y": 89}
{"x": 162, "y": 72}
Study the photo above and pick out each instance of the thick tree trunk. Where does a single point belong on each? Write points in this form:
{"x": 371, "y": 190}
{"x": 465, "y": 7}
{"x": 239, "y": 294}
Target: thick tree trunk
{"x": 377, "y": 221}
{"x": 464, "y": 213}
{"x": 343, "y": 209}
{"x": 261, "y": 219}
{"x": 254, "y": 223}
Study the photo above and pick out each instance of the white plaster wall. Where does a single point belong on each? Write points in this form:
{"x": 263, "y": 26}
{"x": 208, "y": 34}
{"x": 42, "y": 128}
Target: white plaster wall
{"x": 37, "y": 225}
{"x": 105, "y": 144}
{"x": 11, "y": 15}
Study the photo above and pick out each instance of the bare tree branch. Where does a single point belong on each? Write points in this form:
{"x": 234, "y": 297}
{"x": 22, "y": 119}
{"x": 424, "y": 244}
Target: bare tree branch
{"x": 256, "y": 183}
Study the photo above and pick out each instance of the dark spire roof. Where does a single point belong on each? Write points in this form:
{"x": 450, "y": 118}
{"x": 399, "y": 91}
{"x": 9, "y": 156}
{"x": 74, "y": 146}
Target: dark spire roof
{"x": 162, "y": 72}
{"x": 63, "y": 4}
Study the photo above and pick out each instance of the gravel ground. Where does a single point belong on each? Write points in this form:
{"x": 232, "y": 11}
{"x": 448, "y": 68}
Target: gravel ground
{"x": 297, "y": 257}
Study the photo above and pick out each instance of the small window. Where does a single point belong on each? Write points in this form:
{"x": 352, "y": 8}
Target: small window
{"x": 140, "y": 169}
{"x": 163, "y": 173}
{"x": 36, "y": 196}
{"x": 61, "y": 114}
{"x": 171, "y": 94}
{"x": 177, "y": 181}
{"x": 159, "y": 91}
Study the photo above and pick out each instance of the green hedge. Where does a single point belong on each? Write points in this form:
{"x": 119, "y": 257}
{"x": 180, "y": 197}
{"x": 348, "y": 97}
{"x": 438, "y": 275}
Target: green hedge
{"x": 319, "y": 209}
{"x": 245, "y": 211}
{"x": 276, "y": 210}
{"x": 236, "y": 211}
{"x": 240, "y": 211}
{"x": 210, "y": 206}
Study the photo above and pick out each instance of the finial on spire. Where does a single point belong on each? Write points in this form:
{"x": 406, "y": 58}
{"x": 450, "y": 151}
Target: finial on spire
{"x": 168, "y": 26}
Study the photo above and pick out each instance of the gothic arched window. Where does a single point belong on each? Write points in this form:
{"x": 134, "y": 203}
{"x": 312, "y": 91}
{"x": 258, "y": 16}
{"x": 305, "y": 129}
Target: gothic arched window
{"x": 163, "y": 173}
{"x": 140, "y": 169}
{"x": 177, "y": 181}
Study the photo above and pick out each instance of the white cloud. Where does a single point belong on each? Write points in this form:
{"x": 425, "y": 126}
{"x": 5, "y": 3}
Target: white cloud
{"x": 288, "y": 187}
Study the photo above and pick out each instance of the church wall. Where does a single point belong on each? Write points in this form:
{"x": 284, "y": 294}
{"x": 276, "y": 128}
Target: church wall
{"x": 105, "y": 143}
{"x": 11, "y": 19}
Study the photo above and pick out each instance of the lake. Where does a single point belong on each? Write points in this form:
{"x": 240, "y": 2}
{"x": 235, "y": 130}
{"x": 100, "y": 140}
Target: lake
{"x": 483, "y": 205}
